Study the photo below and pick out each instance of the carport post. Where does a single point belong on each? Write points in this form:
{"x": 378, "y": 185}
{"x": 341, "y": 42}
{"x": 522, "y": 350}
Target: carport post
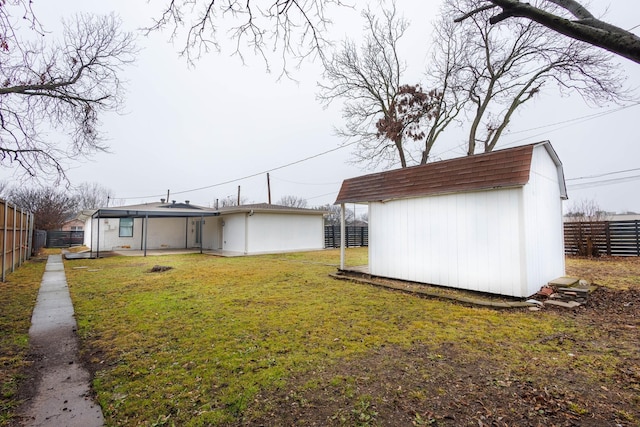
{"x": 201, "y": 227}
{"x": 145, "y": 230}
{"x": 97, "y": 237}
{"x": 342, "y": 235}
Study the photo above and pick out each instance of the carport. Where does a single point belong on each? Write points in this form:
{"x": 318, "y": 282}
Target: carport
{"x": 146, "y": 212}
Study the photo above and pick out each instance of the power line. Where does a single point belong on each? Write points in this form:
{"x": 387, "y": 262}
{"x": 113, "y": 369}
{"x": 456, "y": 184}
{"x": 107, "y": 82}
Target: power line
{"x": 568, "y": 122}
{"x": 604, "y": 182}
{"x": 248, "y": 176}
{"x": 603, "y": 174}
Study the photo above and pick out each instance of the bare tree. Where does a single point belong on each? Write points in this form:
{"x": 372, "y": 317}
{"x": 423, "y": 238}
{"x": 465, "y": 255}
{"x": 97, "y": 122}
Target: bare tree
{"x": 568, "y": 17}
{"x": 293, "y": 28}
{"x": 4, "y": 189}
{"x": 229, "y": 201}
{"x": 50, "y": 207}
{"x": 445, "y": 73}
{"x": 586, "y": 229}
{"x": 381, "y": 113}
{"x": 292, "y": 201}
{"x": 59, "y": 86}
{"x": 508, "y": 64}
{"x": 333, "y": 217}
{"x": 92, "y": 196}
{"x": 297, "y": 27}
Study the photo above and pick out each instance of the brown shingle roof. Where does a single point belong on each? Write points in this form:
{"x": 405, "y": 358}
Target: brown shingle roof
{"x": 498, "y": 169}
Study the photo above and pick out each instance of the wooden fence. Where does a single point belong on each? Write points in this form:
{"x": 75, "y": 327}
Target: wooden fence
{"x": 355, "y": 236}
{"x": 16, "y": 233}
{"x": 613, "y": 238}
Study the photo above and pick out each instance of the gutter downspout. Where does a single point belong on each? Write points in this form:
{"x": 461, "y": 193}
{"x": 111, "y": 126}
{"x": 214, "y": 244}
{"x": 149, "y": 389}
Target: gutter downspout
{"x": 246, "y": 233}
{"x": 342, "y": 235}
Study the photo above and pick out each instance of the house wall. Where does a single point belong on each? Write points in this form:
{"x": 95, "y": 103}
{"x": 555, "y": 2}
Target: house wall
{"x": 543, "y": 226}
{"x": 281, "y": 232}
{"x": 468, "y": 241}
{"x": 234, "y": 232}
{"x": 163, "y": 233}
{"x": 88, "y": 223}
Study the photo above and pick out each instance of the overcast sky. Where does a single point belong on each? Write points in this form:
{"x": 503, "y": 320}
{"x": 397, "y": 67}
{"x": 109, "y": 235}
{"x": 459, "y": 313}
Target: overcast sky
{"x": 184, "y": 128}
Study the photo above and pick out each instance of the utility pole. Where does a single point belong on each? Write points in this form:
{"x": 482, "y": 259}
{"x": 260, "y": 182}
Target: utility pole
{"x": 238, "y": 195}
{"x": 269, "y": 187}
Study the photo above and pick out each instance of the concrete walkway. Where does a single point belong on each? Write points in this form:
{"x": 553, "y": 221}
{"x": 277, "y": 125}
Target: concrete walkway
{"x": 63, "y": 393}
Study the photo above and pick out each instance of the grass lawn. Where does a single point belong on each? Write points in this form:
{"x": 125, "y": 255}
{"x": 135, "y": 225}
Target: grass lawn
{"x": 17, "y": 299}
{"x": 272, "y": 340}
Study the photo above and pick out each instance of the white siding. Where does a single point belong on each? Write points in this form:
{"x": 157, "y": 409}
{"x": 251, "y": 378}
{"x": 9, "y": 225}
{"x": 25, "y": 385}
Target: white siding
{"x": 468, "y": 241}
{"x": 166, "y": 233}
{"x": 543, "y": 227}
{"x": 504, "y": 241}
{"x": 211, "y": 233}
{"x": 234, "y": 232}
{"x": 282, "y": 232}
{"x": 107, "y": 233}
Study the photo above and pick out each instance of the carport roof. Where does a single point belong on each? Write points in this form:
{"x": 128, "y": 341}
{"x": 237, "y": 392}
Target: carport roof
{"x": 150, "y": 210}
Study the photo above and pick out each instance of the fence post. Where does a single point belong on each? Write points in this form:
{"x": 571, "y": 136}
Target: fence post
{"x": 637, "y": 238}
{"x": 13, "y": 240}
{"x": 32, "y": 229}
{"x": 607, "y": 233}
{"x": 4, "y": 240}
{"x": 333, "y": 236}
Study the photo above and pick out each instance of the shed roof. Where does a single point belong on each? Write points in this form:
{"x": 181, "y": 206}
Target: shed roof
{"x": 498, "y": 169}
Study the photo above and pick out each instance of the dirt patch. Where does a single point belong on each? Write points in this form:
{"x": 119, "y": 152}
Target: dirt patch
{"x": 423, "y": 386}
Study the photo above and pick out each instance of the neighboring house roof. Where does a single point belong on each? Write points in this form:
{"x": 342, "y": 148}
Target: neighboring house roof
{"x": 268, "y": 208}
{"x": 498, "y": 169}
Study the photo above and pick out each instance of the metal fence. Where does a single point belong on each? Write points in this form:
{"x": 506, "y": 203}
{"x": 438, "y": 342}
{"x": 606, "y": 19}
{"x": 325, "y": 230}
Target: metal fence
{"x": 613, "y": 238}
{"x": 355, "y": 236}
{"x": 16, "y": 233}
{"x": 64, "y": 239}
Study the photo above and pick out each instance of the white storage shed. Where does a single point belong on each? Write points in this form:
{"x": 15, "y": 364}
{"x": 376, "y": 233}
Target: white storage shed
{"x": 490, "y": 223}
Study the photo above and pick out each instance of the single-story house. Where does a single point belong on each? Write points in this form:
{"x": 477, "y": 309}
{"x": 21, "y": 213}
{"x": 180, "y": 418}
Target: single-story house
{"x": 489, "y": 223}
{"x": 72, "y": 224}
{"x": 245, "y": 230}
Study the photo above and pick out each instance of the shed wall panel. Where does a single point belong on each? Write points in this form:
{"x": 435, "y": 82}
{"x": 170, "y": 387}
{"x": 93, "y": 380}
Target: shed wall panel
{"x": 543, "y": 223}
{"x": 469, "y": 240}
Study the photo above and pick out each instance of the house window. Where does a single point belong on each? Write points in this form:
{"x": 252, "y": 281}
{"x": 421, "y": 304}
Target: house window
{"x": 76, "y": 228}
{"x": 126, "y": 227}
